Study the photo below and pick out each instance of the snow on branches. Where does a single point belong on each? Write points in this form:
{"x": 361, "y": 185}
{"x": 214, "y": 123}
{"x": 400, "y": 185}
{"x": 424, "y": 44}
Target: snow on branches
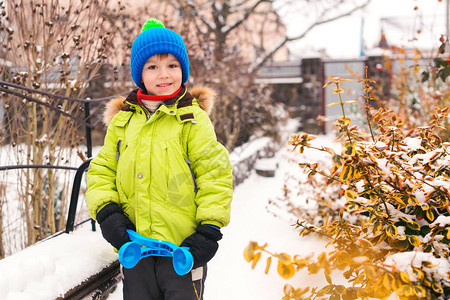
{"x": 388, "y": 222}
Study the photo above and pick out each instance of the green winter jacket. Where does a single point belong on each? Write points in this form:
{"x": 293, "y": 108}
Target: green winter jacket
{"x": 167, "y": 170}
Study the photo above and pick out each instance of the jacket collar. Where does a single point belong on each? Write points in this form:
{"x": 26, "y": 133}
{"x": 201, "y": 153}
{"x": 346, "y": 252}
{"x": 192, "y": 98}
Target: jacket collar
{"x": 201, "y": 95}
{"x": 177, "y": 106}
{"x": 183, "y": 98}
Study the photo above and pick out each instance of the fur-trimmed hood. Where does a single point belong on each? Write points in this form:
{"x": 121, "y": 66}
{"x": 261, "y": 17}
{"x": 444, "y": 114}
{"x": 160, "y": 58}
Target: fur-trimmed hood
{"x": 204, "y": 95}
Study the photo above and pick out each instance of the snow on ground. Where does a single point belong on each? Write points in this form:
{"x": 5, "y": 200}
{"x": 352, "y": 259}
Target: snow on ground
{"x": 230, "y": 276}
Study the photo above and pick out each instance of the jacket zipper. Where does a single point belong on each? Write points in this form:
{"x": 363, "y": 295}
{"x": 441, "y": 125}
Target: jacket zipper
{"x": 147, "y": 113}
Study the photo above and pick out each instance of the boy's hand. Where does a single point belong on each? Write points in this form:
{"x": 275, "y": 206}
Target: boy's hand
{"x": 203, "y": 244}
{"x": 114, "y": 224}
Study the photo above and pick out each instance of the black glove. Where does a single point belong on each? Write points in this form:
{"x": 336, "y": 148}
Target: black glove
{"x": 114, "y": 223}
{"x": 203, "y": 244}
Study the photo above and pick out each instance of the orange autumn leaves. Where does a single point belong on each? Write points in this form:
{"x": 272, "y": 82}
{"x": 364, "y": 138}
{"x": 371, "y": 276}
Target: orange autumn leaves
{"x": 393, "y": 193}
{"x": 285, "y": 268}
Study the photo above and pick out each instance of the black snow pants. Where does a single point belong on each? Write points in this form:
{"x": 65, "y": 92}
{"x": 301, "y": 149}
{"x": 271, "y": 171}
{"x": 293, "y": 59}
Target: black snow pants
{"x": 154, "y": 278}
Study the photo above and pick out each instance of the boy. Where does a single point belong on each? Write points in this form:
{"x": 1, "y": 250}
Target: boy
{"x": 161, "y": 170}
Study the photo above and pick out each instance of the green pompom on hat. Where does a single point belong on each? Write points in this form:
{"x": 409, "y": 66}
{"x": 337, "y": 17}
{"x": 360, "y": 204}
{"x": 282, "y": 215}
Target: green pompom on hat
{"x": 152, "y": 23}
{"x": 155, "y": 39}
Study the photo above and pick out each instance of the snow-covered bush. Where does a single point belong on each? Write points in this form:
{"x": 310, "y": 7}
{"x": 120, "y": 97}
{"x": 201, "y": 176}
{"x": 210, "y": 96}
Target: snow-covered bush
{"x": 390, "y": 229}
{"x": 419, "y": 84}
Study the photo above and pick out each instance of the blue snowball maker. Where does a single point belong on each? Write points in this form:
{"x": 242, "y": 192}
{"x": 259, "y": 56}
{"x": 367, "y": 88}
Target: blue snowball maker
{"x": 130, "y": 254}
{"x": 182, "y": 260}
{"x": 140, "y": 246}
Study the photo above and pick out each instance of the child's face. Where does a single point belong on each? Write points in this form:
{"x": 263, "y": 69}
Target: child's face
{"x": 162, "y": 75}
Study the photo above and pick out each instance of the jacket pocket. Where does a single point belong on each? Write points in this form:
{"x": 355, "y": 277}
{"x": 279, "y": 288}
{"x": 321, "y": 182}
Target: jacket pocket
{"x": 181, "y": 187}
{"x": 167, "y": 163}
{"x": 122, "y": 173}
{"x": 120, "y": 148}
{"x": 189, "y": 163}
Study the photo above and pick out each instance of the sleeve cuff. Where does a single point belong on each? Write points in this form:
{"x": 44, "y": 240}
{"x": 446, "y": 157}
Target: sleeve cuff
{"x": 212, "y": 224}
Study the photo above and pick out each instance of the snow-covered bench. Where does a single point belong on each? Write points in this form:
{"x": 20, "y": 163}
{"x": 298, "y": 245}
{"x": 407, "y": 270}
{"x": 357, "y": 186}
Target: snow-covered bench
{"x": 65, "y": 267}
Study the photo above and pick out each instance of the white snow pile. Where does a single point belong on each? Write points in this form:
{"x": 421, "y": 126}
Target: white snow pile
{"x": 52, "y": 267}
{"x": 405, "y": 260}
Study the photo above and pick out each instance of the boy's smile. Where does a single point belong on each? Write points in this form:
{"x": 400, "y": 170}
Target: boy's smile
{"x": 162, "y": 74}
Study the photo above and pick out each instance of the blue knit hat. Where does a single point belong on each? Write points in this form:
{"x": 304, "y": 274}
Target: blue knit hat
{"x": 154, "y": 39}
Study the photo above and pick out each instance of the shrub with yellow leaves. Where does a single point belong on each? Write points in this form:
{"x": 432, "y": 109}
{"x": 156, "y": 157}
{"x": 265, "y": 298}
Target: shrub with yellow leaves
{"x": 392, "y": 231}
{"x": 419, "y": 84}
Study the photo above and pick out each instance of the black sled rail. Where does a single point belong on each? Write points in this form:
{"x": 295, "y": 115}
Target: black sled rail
{"x": 74, "y": 196}
{"x": 100, "y": 285}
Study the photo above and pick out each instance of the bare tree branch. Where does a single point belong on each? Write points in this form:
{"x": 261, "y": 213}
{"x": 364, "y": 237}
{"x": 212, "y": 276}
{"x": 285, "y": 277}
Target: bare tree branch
{"x": 248, "y": 12}
{"x": 195, "y": 11}
{"x": 267, "y": 54}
